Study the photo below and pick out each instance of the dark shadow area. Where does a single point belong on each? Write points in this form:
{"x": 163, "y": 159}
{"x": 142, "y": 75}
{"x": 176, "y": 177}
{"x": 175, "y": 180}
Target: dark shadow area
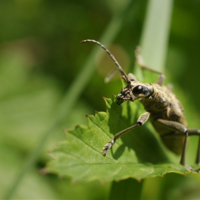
{"x": 119, "y": 152}
{"x": 140, "y": 139}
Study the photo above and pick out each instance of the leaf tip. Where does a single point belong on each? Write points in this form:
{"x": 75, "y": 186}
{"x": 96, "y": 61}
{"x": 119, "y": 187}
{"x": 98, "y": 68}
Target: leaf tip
{"x": 60, "y": 176}
{"x": 103, "y": 182}
{"x": 139, "y": 180}
{"x": 43, "y": 171}
{"x": 77, "y": 126}
{"x": 73, "y": 182}
{"x": 49, "y": 152}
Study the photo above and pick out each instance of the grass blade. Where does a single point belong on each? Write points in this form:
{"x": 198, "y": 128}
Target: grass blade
{"x": 155, "y": 34}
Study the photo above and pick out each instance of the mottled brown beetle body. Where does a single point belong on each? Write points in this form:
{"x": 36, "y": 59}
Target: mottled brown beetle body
{"x": 162, "y": 108}
{"x": 164, "y": 104}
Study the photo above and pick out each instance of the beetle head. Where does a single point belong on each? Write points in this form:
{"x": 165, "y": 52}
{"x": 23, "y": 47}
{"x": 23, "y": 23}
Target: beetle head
{"x": 134, "y": 90}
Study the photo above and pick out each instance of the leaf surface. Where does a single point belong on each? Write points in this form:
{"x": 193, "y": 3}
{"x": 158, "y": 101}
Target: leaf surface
{"x": 138, "y": 154}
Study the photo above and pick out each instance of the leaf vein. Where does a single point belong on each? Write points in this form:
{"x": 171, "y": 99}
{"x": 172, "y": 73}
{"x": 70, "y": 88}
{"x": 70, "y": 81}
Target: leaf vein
{"x": 89, "y": 145}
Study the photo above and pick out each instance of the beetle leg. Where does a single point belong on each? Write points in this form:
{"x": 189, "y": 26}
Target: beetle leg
{"x": 170, "y": 86}
{"x": 175, "y": 126}
{"x": 161, "y": 79}
{"x": 132, "y": 77}
{"x": 111, "y": 74}
{"x": 198, "y": 154}
{"x": 114, "y": 71}
{"x": 196, "y": 132}
{"x": 141, "y": 63}
{"x": 141, "y": 120}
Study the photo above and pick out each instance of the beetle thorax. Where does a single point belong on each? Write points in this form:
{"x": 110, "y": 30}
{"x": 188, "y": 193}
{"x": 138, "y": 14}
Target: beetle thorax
{"x": 159, "y": 100}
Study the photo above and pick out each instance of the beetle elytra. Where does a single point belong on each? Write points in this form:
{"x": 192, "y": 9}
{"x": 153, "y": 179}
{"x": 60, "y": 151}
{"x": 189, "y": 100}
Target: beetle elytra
{"x": 162, "y": 108}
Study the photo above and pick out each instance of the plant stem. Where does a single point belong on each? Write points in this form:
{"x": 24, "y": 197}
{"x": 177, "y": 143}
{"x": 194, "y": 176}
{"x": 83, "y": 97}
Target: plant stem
{"x": 126, "y": 189}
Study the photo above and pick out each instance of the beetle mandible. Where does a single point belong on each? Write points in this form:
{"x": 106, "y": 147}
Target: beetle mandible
{"x": 162, "y": 108}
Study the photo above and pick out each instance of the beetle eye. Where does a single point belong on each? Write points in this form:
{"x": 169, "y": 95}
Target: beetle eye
{"x": 138, "y": 89}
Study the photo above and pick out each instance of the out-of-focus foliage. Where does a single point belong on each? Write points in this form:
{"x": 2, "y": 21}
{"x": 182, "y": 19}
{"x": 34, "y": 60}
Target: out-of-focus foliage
{"x": 40, "y": 56}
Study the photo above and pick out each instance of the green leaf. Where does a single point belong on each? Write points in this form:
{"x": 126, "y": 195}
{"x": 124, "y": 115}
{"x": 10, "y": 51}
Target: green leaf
{"x": 138, "y": 154}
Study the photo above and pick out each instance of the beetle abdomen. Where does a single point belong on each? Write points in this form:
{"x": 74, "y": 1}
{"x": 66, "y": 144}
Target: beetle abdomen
{"x": 174, "y": 143}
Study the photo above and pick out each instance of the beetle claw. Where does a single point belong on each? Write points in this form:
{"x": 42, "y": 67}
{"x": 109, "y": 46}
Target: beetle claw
{"x": 191, "y": 169}
{"x": 108, "y": 146}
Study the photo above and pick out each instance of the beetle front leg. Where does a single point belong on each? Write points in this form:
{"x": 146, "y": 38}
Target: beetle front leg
{"x": 130, "y": 76}
{"x": 111, "y": 75}
{"x": 141, "y": 120}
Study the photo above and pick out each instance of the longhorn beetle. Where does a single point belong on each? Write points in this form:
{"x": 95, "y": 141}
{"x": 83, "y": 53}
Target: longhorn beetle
{"x": 162, "y": 108}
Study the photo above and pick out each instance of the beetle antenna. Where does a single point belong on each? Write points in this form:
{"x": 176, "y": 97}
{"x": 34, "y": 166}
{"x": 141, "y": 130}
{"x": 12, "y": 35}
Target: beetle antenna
{"x": 113, "y": 58}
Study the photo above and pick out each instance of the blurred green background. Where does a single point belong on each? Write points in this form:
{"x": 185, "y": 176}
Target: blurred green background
{"x": 40, "y": 57}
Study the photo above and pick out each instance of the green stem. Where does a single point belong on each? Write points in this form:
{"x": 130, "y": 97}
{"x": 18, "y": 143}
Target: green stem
{"x": 73, "y": 93}
{"x": 126, "y": 189}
